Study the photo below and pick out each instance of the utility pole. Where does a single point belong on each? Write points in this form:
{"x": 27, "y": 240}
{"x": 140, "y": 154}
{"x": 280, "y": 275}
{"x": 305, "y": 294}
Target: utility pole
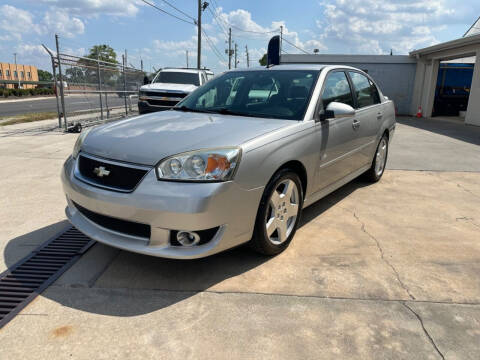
{"x": 187, "y": 59}
{"x": 62, "y": 94}
{"x": 248, "y": 58}
{"x": 236, "y": 50}
{"x": 281, "y": 38}
{"x": 229, "y": 48}
{"x": 199, "y": 35}
{"x": 16, "y": 69}
{"x": 141, "y": 65}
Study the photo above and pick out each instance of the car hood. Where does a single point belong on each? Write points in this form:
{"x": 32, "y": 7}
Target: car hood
{"x": 149, "y": 138}
{"x": 167, "y": 86}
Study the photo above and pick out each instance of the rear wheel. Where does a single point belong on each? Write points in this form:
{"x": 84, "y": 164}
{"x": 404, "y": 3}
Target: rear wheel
{"x": 278, "y": 214}
{"x": 379, "y": 161}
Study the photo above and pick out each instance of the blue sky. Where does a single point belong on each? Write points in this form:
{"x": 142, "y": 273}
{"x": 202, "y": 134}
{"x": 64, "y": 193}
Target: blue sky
{"x": 332, "y": 26}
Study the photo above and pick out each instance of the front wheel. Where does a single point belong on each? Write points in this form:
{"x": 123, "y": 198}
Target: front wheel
{"x": 278, "y": 214}
{"x": 379, "y": 161}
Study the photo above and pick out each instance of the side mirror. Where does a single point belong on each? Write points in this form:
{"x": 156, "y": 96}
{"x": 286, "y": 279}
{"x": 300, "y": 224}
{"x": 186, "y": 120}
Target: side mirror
{"x": 146, "y": 81}
{"x": 336, "y": 110}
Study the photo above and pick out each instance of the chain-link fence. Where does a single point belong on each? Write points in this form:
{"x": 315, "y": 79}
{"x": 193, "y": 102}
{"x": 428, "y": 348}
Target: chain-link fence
{"x": 91, "y": 90}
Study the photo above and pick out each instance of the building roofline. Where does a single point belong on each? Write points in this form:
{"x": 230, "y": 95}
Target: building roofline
{"x": 452, "y": 44}
{"x": 471, "y": 27}
{"x": 343, "y": 58}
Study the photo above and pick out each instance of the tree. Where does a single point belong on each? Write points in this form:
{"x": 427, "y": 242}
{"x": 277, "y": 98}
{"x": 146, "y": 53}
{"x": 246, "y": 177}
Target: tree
{"x": 88, "y": 68}
{"x": 104, "y": 53}
{"x": 44, "y": 75}
{"x": 263, "y": 60}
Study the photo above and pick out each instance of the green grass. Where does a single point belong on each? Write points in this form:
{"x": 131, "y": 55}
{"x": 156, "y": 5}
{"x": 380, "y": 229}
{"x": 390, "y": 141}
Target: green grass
{"x": 25, "y": 118}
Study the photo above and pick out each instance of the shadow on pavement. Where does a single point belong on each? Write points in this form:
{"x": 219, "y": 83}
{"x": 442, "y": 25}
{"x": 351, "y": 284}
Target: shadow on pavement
{"x": 459, "y": 131}
{"x": 130, "y": 284}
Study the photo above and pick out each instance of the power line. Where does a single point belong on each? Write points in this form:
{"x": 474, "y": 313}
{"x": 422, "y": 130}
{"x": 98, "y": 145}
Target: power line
{"x": 180, "y": 11}
{"x": 213, "y": 47}
{"x": 227, "y": 24}
{"x": 295, "y": 46}
{"x": 252, "y": 31}
{"x": 166, "y": 12}
{"x": 218, "y": 22}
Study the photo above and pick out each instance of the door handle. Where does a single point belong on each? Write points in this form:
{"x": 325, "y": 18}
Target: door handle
{"x": 379, "y": 116}
{"x": 355, "y": 124}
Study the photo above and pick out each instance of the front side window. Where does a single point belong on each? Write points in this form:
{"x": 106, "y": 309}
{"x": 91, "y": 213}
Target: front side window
{"x": 365, "y": 90}
{"x": 337, "y": 88}
{"x": 174, "y": 77}
{"x": 282, "y": 94}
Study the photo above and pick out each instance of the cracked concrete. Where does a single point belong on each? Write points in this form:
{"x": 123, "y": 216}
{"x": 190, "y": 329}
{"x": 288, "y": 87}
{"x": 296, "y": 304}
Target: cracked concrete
{"x": 379, "y": 271}
{"x": 425, "y": 331}
{"x": 382, "y": 255}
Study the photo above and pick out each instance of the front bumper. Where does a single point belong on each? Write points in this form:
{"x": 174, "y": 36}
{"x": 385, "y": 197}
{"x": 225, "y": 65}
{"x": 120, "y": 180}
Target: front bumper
{"x": 165, "y": 206}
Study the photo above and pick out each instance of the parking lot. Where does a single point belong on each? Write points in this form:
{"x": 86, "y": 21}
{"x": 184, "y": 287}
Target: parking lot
{"x": 382, "y": 271}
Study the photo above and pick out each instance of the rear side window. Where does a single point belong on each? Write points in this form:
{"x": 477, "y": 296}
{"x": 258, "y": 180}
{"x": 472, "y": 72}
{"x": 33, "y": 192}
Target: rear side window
{"x": 365, "y": 90}
{"x": 337, "y": 89}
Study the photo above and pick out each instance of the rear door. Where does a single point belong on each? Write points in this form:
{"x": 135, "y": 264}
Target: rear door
{"x": 338, "y": 135}
{"x": 369, "y": 114}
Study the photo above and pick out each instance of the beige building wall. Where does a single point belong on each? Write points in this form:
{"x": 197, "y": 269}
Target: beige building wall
{"x": 14, "y": 72}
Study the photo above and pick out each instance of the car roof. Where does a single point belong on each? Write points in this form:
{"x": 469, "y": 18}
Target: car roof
{"x": 194, "y": 71}
{"x": 297, "y": 67}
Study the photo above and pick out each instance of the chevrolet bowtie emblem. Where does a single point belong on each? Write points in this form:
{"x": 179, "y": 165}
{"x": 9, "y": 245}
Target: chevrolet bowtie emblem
{"x": 101, "y": 171}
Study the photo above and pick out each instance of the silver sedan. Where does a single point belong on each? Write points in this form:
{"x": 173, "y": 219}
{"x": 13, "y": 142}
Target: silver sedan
{"x": 234, "y": 162}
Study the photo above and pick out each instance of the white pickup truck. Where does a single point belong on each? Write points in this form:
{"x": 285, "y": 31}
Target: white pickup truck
{"x": 169, "y": 86}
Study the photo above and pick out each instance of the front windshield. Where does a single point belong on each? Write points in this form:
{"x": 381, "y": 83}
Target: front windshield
{"x": 282, "y": 94}
{"x": 173, "y": 77}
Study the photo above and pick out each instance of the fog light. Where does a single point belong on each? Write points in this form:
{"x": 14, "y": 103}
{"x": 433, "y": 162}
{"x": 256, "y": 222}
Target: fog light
{"x": 188, "y": 238}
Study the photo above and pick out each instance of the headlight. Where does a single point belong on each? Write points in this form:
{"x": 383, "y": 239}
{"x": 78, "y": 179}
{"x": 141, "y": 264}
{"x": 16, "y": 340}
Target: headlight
{"x": 80, "y": 139}
{"x": 200, "y": 165}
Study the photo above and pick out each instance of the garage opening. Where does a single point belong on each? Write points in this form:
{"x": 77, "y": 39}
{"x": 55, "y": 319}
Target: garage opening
{"x": 453, "y": 86}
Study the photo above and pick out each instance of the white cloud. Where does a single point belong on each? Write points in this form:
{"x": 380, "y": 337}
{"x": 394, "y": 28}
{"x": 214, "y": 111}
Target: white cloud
{"x": 174, "y": 48}
{"x": 243, "y": 25}
{"x": 61, "y": 22}
{"x": 376, "y": 26}
{"x": 14, "y": 22}
{"x": 95, "y": 7}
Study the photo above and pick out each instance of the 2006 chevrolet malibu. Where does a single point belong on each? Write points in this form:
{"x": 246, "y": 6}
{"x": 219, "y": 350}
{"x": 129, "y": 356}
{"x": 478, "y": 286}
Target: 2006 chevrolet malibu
{"x": 234, "y": 162}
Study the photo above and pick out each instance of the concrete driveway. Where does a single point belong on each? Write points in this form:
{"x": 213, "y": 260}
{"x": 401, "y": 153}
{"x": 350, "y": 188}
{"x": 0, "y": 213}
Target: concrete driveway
{"x": 384, "y": 271}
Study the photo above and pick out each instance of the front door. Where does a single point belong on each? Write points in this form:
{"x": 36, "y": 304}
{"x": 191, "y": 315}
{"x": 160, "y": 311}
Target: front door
{"x": 338, "y": 157}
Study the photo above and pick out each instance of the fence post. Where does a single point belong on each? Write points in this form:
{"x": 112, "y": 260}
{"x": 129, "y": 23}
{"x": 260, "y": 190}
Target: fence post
{"x": 124, "y": 84}
{"x": 56, "y": 92}
{"x": 99, "y": 86}
{"x": 106, "y": 103}
{"x": 54, "y": 72}
{"x": 62, "y": 96}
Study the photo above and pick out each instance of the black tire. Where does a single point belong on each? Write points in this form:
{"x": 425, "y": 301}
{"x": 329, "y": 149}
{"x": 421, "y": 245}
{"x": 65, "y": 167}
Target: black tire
{"x": 261, "y": 241}
{"x": 373, "y": 174}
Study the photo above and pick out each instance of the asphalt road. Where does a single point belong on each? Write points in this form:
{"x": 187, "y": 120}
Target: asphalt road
{"x": 72, "y": 102}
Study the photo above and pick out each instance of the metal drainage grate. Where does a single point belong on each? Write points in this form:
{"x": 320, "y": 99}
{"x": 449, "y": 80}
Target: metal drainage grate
{"x": 29, "y": 277}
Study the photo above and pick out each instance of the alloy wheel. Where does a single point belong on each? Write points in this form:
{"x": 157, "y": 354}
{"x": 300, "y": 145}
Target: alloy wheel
{"x": 381, "y": 157}
{"x": 282, "y": 212}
